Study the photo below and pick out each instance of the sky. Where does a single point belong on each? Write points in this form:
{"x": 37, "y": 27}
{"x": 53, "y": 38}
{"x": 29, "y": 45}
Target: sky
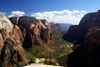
{"x": 58, "y": 11}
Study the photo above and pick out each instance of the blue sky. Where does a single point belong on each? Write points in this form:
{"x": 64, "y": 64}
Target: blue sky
{"x": 59, "y": 11}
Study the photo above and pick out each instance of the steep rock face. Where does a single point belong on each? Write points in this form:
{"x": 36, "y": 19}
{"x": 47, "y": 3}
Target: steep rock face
{"x": 77, "y": 33}
{"x": 88, "y": 53}
{"x": 33, "y": 30}
{"x": 5, "y": 26}
{"x": 45, "y": 22}
{"x": 11, "y": 51}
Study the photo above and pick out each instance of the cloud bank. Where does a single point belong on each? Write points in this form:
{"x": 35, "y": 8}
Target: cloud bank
{"x": 16, "y": 13}
{"x": 65, "y": 16}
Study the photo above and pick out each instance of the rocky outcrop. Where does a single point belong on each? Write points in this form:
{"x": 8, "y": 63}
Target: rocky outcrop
{"x": 88, "y": 53}
{"x": 45, "y": 22}
{"x": 53, "y": 26}
{"x": 11, "y": 50}
{"x": 33, "y": 30}
{"x": 77, "y": 33}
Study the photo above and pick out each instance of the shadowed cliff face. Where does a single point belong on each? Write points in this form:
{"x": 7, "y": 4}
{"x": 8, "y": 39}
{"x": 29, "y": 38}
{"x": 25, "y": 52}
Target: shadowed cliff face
{"x": 88, "y": 53}
{"x": 11, "y": 50}
{"x": 77, "y": 33}
{"x": 33, "y": 30}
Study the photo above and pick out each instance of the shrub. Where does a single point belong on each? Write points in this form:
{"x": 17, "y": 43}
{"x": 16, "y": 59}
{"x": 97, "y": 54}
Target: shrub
{"x": 49, "y": 62}
{"x": 33, "y": 60}
{"x": 54, "y": 63}
{"x": 21, "y": 64}
{"x": 46, "y": 61}
{"x": 41, "y": 61}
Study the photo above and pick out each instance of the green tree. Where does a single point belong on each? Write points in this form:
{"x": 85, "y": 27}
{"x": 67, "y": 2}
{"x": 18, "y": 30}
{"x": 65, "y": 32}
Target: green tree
{"x": 33, "y": 60}
{"x": 46, "y": 61}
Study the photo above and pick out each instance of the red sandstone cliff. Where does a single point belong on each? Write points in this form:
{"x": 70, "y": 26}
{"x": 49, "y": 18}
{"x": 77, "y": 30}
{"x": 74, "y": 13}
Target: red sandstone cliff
{"x": 11, "y": 50}
{"x": 33, "y": 30}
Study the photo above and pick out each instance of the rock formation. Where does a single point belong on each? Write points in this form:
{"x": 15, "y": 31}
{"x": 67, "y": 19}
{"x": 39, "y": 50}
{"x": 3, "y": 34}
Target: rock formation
{"x": 53, "y": 26}
{"x": 88, "y": 53}
{"x": 33, "y": 30}
{"x": 77, "y": 33}
{"x": 11, "y": 50}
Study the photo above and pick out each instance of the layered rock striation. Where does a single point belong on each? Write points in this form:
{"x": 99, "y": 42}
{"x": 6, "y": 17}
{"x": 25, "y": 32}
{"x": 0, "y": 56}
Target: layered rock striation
{"x": 11, "y": 50}
{"x": 33, "y": 30}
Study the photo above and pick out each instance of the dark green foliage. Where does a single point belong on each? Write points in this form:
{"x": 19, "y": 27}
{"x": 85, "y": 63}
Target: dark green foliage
{"x": 46, "y": 61}
{"x": 21, "y": 64}
{"x": 33, "y": 60}
{"x": 50, "y": 62}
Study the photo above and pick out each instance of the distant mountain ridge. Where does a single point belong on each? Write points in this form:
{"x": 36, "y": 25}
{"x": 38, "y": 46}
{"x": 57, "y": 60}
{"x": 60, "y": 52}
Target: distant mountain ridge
{"x": 65, "y": 26}
{"x": 60, "y": 26}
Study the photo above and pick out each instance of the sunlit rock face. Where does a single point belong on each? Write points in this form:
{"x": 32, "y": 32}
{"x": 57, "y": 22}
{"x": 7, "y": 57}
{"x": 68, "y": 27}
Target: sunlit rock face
{"x": 33, "y": 30}
{"x": 88, "y": 53}
{"x": 5, "y": 27}
{"x": 11, "y": 50}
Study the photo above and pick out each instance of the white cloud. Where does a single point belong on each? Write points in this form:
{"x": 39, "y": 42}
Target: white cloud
{"x": 65, "y": 16}
{"x": 4, "y": 13}
{"x": 81, "y": 15}
{"x": 11, "y": 15}
{"x": 75, "y": 11}
{"x": 83, "y": 11}
{"x": 16, "y": 13}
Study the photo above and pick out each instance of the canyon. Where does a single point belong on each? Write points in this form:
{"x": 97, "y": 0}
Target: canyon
{"x": 26, "y": 35}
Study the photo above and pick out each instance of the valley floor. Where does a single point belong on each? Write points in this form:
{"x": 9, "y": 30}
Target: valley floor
{"x": 41, "y": 65}
{"x": 37, "y": 64}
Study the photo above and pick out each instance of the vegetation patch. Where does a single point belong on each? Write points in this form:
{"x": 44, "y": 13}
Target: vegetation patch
{"x": 21, "y": 64}
{"x": 33, "y": 60}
